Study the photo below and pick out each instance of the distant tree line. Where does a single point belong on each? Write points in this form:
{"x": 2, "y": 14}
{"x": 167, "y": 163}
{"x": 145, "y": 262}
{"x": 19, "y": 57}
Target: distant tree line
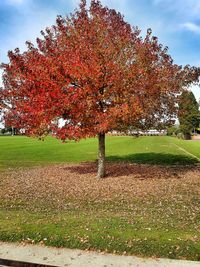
{"x": 9, "y": 130}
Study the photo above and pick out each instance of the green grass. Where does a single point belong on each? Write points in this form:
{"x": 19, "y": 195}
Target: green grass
{"x": 140, "y": 232}
{"x": 166, "y": 226}
{"x": 23, "y": 151}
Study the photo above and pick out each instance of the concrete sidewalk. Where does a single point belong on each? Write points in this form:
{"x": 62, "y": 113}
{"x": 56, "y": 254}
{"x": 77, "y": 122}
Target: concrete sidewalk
{"x": 78, "y": 258}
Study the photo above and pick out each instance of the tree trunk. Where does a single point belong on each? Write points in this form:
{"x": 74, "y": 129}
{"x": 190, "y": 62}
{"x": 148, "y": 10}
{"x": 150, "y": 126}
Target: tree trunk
{"x": 12, "y": 131}
{"x": 187, "y": 136}
{"x": 101, "y": 160}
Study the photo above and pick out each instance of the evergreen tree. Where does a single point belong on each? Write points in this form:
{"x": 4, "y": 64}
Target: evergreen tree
{"x": 189, "y": 114}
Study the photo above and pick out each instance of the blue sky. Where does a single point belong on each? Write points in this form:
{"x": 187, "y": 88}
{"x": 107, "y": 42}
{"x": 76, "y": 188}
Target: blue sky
{"x": 175, "y": 22}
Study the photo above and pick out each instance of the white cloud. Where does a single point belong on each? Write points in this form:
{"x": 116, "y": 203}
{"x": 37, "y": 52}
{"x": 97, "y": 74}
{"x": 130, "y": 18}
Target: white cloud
{"x": 75, "y": 3}
{"x": 196, "y": 91}
{"x": 15, "y": 2}
{"x": 190, "y": 26}
{"x": 186, "y": 9}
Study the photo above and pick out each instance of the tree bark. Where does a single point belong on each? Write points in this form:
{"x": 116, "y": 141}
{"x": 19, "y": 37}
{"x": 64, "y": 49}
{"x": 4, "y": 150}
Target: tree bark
{"x": 187, "y": 136}
{"x": 101, "y": 160}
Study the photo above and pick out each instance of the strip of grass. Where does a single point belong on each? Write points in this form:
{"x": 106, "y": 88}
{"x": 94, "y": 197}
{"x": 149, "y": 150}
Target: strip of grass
{"x": 23, "y": 151}
{"x": 146, "y": 230}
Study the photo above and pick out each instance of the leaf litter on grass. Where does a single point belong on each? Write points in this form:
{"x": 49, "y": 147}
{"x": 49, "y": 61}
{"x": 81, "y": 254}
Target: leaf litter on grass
{"x": 64, "y": 184}
{"x": 130, "y": 210}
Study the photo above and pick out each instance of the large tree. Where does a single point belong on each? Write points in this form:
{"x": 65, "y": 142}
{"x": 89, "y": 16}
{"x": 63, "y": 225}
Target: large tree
{"x": 188, "y": 114}
{"x": 95, "y": 72}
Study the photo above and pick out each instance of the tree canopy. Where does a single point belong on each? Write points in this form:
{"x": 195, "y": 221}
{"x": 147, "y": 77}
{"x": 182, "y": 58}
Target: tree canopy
{"x": 95, "y": 72}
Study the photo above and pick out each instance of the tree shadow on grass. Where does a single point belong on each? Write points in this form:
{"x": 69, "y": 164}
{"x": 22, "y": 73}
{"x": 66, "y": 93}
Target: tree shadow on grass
{"x": 142, "y": 166}
{"x": 156, "y": 159}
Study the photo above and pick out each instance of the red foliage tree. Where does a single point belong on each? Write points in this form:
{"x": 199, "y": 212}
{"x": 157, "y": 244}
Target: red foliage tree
{"x": 94, "y": 71}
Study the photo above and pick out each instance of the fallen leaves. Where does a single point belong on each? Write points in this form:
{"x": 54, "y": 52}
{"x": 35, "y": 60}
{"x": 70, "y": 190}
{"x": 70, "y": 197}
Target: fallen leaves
{"x": 69, "y": 186}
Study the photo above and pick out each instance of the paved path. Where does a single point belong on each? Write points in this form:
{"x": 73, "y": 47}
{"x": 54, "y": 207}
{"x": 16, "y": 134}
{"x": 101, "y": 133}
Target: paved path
{"x": 196, "y": 137}
{"x": 78, "y": 258}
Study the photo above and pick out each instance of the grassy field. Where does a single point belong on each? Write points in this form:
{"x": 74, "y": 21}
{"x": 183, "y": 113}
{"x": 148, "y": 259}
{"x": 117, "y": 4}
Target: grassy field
{"x": 23, "y": 151}
{"x": 149, "y": 204}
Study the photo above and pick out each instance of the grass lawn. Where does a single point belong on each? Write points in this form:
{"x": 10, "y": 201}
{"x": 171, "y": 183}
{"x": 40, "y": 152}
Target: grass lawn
{"x": 148, "y": 205}
{"x": 23, "y": 151}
